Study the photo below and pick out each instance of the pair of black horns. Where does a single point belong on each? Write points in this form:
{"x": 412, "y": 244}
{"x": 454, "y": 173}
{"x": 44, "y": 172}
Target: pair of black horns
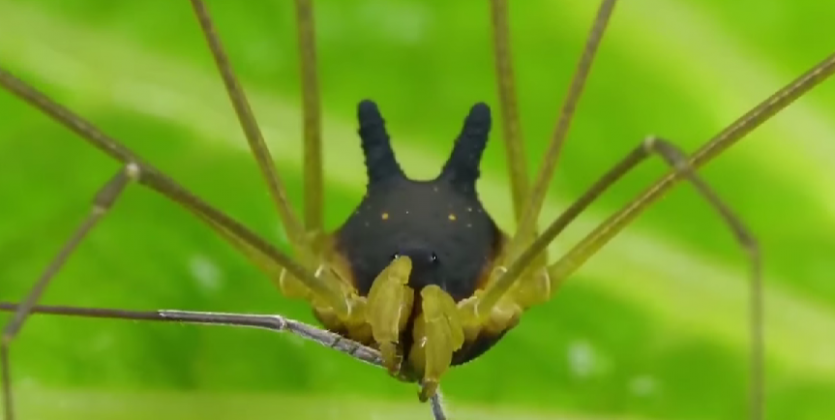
{"x": 462, "y": 167}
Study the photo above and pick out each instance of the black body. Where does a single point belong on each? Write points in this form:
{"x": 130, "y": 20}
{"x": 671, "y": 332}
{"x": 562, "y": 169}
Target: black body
{"x": 440, "y": 224}
{"x": 448, "y": 236}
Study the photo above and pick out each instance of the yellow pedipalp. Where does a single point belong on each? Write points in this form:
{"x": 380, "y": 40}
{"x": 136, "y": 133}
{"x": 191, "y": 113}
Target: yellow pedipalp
{"x": 388, "y": 308}
{"x": 439, "y": 336}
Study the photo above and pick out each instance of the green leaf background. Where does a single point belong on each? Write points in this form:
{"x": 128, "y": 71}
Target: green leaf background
{"x": 653, "y": 327}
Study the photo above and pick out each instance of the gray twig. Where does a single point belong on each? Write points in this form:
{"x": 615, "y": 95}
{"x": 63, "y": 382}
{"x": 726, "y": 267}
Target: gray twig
{"x": 309, "y": 332}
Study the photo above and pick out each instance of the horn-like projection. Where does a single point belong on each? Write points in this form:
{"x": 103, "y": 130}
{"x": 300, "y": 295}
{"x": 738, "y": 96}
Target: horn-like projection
{"x": 461, "y": 169}
{"x": 380, "y": 162}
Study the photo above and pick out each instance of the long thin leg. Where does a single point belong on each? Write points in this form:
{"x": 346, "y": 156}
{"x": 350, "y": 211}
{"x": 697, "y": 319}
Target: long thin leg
{"x": 530, "y": 215}
{"x": 671, "y": 154}
{"x": 270, "y": 259}
{"x": 103, "y": 201}
{"x": 306, "y": 252}
{"x": 313, "y": 176}
{"x": 259, "y": 148}
{"x": 674, "y": 157}
{"x": 513, "y": 139}
{"x": 678, "y": 160}
{"x": 580, "y": 253}
{"x": 270, "y": 322}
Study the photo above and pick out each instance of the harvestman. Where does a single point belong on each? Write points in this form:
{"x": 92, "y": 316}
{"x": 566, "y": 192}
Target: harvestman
{"x": 519, "y": 271}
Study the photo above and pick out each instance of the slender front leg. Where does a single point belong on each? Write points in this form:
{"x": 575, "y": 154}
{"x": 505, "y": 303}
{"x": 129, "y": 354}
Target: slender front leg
{"x": 512, "y": 293}
{"x": 102, "y": 202}
{"x": 336, "y": 295}
{"x": 313, "y": 175}
{"x": 513, "y": 140}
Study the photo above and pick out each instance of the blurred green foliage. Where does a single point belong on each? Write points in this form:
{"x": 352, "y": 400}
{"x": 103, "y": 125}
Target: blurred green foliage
{"x": 653, "y": 327}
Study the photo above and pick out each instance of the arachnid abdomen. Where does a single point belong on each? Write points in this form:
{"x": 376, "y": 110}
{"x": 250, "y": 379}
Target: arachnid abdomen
{"x": 448, "y": 236}
{"x": 440, "y": 224}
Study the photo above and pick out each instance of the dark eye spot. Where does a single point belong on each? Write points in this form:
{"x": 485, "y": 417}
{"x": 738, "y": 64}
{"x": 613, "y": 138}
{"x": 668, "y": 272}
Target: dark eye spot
{"x": 434, "y": 258}
{"x": 395, "y": 256}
